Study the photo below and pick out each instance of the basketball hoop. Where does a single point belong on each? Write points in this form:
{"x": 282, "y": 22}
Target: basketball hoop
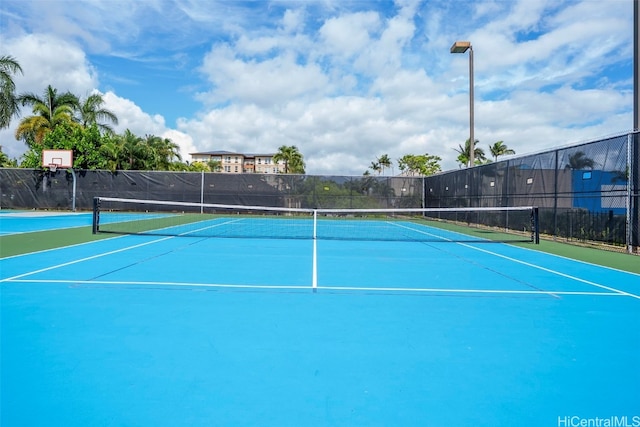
{"x": 57, "y": 159}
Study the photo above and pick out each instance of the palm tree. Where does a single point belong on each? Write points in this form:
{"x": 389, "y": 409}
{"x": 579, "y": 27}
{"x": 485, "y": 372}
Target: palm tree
{"x": 499, "y": 148}
{"x": 292, "y": 159}
{"x": 579, "y": 160}
{"x": 90, "y": 112}
{"x": 48, "y": 111}
{"x": 215, "y": 165}
{"x": 110, "y": 151}
{"x": 164, "y": 150}
{"x": 132, "y": 151}
{"x": 464, "y": 154}
{"x": 375, "y": 166}
{"x": 384, "y": 161}
{"x": 5, "y": 161}
{"x": 9, "y": 106}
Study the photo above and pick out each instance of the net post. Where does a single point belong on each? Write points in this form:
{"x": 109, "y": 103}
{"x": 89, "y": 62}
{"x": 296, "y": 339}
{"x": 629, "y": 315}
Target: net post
{"x": 96, "y": 215}
{"x": 535, "y": 225}
{"x": 315, "y": 224}
{"x": 314, "y": 268}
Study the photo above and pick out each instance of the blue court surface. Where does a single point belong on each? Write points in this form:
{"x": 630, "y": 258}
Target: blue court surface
{"x": 189, "y": 331}
{"x": 15, "y": 222}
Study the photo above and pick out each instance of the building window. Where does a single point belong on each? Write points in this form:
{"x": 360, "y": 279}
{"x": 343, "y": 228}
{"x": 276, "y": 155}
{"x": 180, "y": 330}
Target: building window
{"x": 228, "y": 159}
{"x": 227, "y": 168}
{"x": 236, "y": 170}
{"x": 236, "y": 159}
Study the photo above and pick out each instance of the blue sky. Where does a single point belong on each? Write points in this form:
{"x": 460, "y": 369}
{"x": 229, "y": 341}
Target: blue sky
{"x": 344, "y": 81}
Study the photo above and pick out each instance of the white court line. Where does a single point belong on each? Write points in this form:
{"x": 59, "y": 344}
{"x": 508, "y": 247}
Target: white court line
{"x": 548, "y": 270}
{"x": 306, "y": 287}
{"x": 578, "y": 260}
{"x": 615, "y": 291}
{"x": 53, "y": 267}
{"x": 181, "y": 284}
{"x": 63, "y": 247}
{"x": 41, "y": 214}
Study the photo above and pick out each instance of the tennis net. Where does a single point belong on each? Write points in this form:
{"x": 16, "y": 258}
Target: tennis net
{"x": 155, "y": 217}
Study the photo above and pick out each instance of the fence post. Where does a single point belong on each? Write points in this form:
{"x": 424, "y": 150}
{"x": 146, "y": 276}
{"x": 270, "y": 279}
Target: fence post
{"x": 201, "y": 191}
{"x": 634, "y": 194}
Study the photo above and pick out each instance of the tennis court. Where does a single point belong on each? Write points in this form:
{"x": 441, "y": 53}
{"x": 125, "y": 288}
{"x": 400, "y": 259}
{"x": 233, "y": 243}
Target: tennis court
{"x": 177, "y": 328}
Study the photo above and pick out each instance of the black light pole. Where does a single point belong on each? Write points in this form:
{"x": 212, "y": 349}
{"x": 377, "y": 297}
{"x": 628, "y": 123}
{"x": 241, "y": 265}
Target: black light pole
{"x": 636, "y": 65}
{"x": 462, "y": 47}
{"x": 635, "y": 152}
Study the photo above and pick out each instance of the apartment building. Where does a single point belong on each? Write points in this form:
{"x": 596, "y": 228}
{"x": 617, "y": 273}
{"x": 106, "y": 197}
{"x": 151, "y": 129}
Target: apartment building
{"x": 233, "y": 162}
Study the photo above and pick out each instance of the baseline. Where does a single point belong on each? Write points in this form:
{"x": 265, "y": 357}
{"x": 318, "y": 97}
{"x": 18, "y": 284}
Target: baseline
{"x": 91, "y": 283}
{"x": 528, "y": 264}
{"x": 552, "y": 271}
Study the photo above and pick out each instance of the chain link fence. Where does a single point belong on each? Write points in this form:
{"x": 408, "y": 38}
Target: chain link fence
{"x": 40, "y": 189}
{"x": 587, "y": 192}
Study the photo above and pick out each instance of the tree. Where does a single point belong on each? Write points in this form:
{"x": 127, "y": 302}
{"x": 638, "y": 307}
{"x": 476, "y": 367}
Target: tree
{"x": 90, "y": 112}
{"x": 84, "y": 141}
{"x": 579, "y": 160}
{"x": 87, "y": 145}
{"x": 292, "y": 159}
{"x": 464, "y": 154}
{"x": 421, "y": 164}
{"x": 375, "y": 166}
{"x": 215, "y": 165}
{"x": 110, "y": 152}
{"x": 499, "y": 148}
{"x": 384, "y": 162}
{"x": 5, "y": 161}
{"x": 163, "y": 151}
{"x": 199, "y": 167}
{"x": 133, "y": 152}
{"x": 9, "y": 106}
{"x": 49, "y": 111}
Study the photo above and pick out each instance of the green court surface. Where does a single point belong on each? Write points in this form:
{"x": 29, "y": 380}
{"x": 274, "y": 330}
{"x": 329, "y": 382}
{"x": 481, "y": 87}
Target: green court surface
{"x": 16, "y": 244}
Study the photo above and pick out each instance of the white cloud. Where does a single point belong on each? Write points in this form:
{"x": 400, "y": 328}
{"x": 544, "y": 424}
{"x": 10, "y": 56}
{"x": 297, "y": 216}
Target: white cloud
{"x": 538, "y": 43}
{"x": 384, "y": 55}
{"x": 349, "y": 81}
{"x": 131, "y": 116}
{"x": 293, "y": 21}
{"x": 184, "y": 141}
{"x": 47, "y": 59}
{"x": 347, "y": 35}
{"x": 354, "y": 130}
{"x": 265, "y": 83}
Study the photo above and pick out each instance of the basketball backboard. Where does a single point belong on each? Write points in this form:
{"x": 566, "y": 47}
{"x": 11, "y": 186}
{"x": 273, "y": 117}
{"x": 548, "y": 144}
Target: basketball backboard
{"x": 62, "y": 159}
